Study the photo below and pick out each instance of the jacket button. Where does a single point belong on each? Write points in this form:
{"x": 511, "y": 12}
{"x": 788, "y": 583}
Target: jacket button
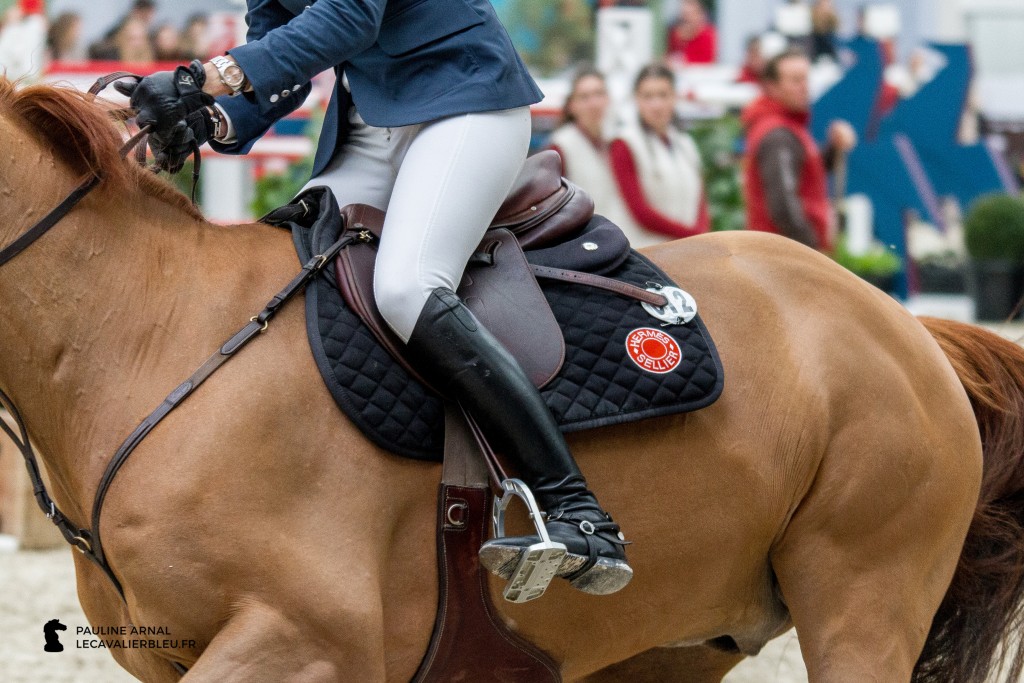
{"x": 286, "y": 93}
{"x": 274, "y": 98}
{"x": 296, "y": 87}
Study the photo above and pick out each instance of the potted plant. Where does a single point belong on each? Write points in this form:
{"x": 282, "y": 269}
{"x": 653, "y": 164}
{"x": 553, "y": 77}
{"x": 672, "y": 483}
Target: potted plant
{"x": 994, "y": 234}
{"x": 878, "y": 265}
{"x": 940, "y": 259}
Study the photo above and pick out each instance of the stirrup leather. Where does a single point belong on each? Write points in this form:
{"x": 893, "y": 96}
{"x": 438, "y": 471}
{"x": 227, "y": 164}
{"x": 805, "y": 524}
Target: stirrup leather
{"x": 540, "y": 561}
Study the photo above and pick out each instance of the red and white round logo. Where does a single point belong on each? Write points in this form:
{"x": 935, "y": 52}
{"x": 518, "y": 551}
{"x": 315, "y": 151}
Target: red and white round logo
{"x": 653, "y": 350}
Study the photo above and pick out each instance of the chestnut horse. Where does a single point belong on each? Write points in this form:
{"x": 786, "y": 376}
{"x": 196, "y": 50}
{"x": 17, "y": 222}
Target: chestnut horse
{"x": 831, "y": 487}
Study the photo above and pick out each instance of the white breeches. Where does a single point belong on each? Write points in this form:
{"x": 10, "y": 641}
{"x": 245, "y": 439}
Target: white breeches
{"x": 441, "y": 184}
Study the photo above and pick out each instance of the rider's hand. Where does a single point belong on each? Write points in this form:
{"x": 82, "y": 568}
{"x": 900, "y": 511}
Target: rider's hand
{"x": 172, "y": 148}
{"x": 166, "y": 98}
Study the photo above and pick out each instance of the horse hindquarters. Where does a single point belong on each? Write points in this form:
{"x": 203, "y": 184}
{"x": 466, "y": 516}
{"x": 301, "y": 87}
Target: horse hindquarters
{"x": 865, "y": 560}
{"x": 984, "y": 602}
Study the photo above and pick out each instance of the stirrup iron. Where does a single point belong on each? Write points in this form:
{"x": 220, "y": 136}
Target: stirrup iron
{"x": 540, "y": 561}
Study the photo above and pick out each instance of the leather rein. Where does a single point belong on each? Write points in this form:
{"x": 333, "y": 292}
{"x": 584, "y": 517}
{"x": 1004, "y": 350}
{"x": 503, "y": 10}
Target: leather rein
{"x": 87, "y": 539}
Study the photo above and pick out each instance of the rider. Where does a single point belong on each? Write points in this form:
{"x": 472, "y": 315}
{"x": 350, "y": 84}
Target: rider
{"x": 430, "y": 121}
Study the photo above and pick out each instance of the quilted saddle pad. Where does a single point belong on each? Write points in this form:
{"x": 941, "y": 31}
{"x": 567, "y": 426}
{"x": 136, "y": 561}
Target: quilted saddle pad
{"x": 620, "y": 365}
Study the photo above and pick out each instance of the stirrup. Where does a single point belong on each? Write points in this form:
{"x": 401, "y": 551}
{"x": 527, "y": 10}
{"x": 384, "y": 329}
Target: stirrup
{"x": 538, "y": 562}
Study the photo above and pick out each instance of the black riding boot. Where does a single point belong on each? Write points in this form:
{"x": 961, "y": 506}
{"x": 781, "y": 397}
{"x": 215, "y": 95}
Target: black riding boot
{"x": 462, "y": 359}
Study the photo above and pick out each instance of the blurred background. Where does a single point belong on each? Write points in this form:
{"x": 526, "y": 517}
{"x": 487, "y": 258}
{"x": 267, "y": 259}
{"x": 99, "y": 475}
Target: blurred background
{"x": 934, "y": 93}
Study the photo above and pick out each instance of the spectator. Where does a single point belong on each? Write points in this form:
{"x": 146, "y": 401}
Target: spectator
{"x": 195, "y": 39}
{"x": 166, "y": 43}
{"x": 657, "y": 166}
{"x": 786, "y": 179}
{"x": 824, "y": 25}
{"x": 692, "y": 38}
{"x": 753, "y": 63}
{"x": 582, "y": 143}
{"x": 22, "y": 40}
{"x": 142, "y": 13}
{"x": 64, "y": 38}
{"x": 131, "y": 44}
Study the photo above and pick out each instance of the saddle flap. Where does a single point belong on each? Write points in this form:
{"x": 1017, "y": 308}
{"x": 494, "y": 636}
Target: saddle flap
{"x": 506, "y": 298}
{"x": 503, "y": 294}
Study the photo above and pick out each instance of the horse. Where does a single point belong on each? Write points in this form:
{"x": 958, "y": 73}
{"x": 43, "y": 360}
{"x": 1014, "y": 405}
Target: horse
{"x": 860, "y": 478}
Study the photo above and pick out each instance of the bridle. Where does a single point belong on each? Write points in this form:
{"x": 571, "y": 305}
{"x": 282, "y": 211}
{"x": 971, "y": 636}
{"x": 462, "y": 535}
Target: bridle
{"x": 84, "y": 188}
{"x": 69, "y": 531}
{"x": 87, "y": 540}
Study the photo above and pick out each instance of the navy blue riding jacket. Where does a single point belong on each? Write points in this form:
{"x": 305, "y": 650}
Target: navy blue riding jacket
{"x": 407, "y": 62}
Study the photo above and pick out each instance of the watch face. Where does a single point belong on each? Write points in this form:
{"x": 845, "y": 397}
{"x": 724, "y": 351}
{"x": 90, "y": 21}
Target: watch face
{"x": 233, "y": 76}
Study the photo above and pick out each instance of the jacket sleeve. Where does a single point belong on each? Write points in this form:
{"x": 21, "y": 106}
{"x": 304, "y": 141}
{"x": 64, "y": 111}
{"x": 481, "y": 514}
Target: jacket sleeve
{"x": 249, "y": 123}
{"x": 249, "y": 120}
{"x": 284, "y": 52}
{"x": 779, "y": 160}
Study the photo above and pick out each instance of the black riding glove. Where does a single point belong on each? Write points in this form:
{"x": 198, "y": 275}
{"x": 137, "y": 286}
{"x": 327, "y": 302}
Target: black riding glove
{"x": 174, "y": 104}
{"x": 171, "y": 149}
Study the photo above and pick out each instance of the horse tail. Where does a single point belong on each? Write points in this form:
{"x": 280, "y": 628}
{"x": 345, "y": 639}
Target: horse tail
{"x": 983, "y": 607}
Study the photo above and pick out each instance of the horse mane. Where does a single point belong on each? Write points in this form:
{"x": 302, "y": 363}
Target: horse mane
{"x": 79, "y": 131}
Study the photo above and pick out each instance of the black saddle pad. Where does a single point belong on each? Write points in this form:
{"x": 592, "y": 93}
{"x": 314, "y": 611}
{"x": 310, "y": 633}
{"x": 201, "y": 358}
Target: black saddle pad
{"x": 620, "y": 364}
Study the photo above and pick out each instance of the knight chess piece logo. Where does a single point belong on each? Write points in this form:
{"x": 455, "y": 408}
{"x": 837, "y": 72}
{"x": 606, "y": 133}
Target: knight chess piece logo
{"x": 52, "y": 639}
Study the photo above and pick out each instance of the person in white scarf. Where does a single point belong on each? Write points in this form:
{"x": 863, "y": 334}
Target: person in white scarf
{"x": 582, "y": 143}
{"x": 657, "y": 166}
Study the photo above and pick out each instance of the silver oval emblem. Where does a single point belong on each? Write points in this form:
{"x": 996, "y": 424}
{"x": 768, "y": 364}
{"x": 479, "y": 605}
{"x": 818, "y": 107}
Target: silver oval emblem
{"x": 680, "y": 309}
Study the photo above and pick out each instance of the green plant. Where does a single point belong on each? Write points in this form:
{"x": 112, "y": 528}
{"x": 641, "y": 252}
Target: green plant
{"x": 550, "y": 36}
{"x": 877, "y": 262}
{"x": 718, "y": 142}
{"x": 994, "y": 229}
{"x": 274, "y": 190}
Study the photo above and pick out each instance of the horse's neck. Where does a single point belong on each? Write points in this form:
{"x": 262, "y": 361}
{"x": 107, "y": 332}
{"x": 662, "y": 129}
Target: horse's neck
{"x": 107, "y": 314}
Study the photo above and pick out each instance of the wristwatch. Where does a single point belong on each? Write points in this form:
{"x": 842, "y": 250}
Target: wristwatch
{"x": 231, "y": 74}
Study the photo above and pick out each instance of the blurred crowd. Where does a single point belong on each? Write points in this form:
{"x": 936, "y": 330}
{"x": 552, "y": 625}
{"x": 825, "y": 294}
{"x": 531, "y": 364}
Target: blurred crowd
{"x": 644, "y": 168}
{"x": 639, "y": 162}
{"x": 647, "y": 176}
{"x": 134, "y": 38}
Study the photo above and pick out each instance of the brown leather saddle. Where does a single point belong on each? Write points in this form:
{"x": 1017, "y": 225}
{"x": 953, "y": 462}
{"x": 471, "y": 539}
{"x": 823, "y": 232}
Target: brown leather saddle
{"x": 543, "y": 210}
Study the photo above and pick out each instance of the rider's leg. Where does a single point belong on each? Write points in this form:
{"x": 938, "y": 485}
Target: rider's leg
{"x": 364, "y": 170}
{"x": 453, "y": 178}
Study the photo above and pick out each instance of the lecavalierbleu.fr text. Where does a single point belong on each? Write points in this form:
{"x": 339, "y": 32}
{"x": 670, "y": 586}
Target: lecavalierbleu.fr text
{"x": 125, "y": 638}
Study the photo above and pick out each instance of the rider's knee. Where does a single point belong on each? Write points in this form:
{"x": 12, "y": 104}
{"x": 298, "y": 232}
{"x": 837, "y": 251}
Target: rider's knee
{"x": 400, "y": 301}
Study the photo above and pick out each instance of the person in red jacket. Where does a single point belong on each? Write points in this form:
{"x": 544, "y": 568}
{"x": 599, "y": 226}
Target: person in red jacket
{"x": 692, "y": 39}
{"x": 786, "y": 179}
